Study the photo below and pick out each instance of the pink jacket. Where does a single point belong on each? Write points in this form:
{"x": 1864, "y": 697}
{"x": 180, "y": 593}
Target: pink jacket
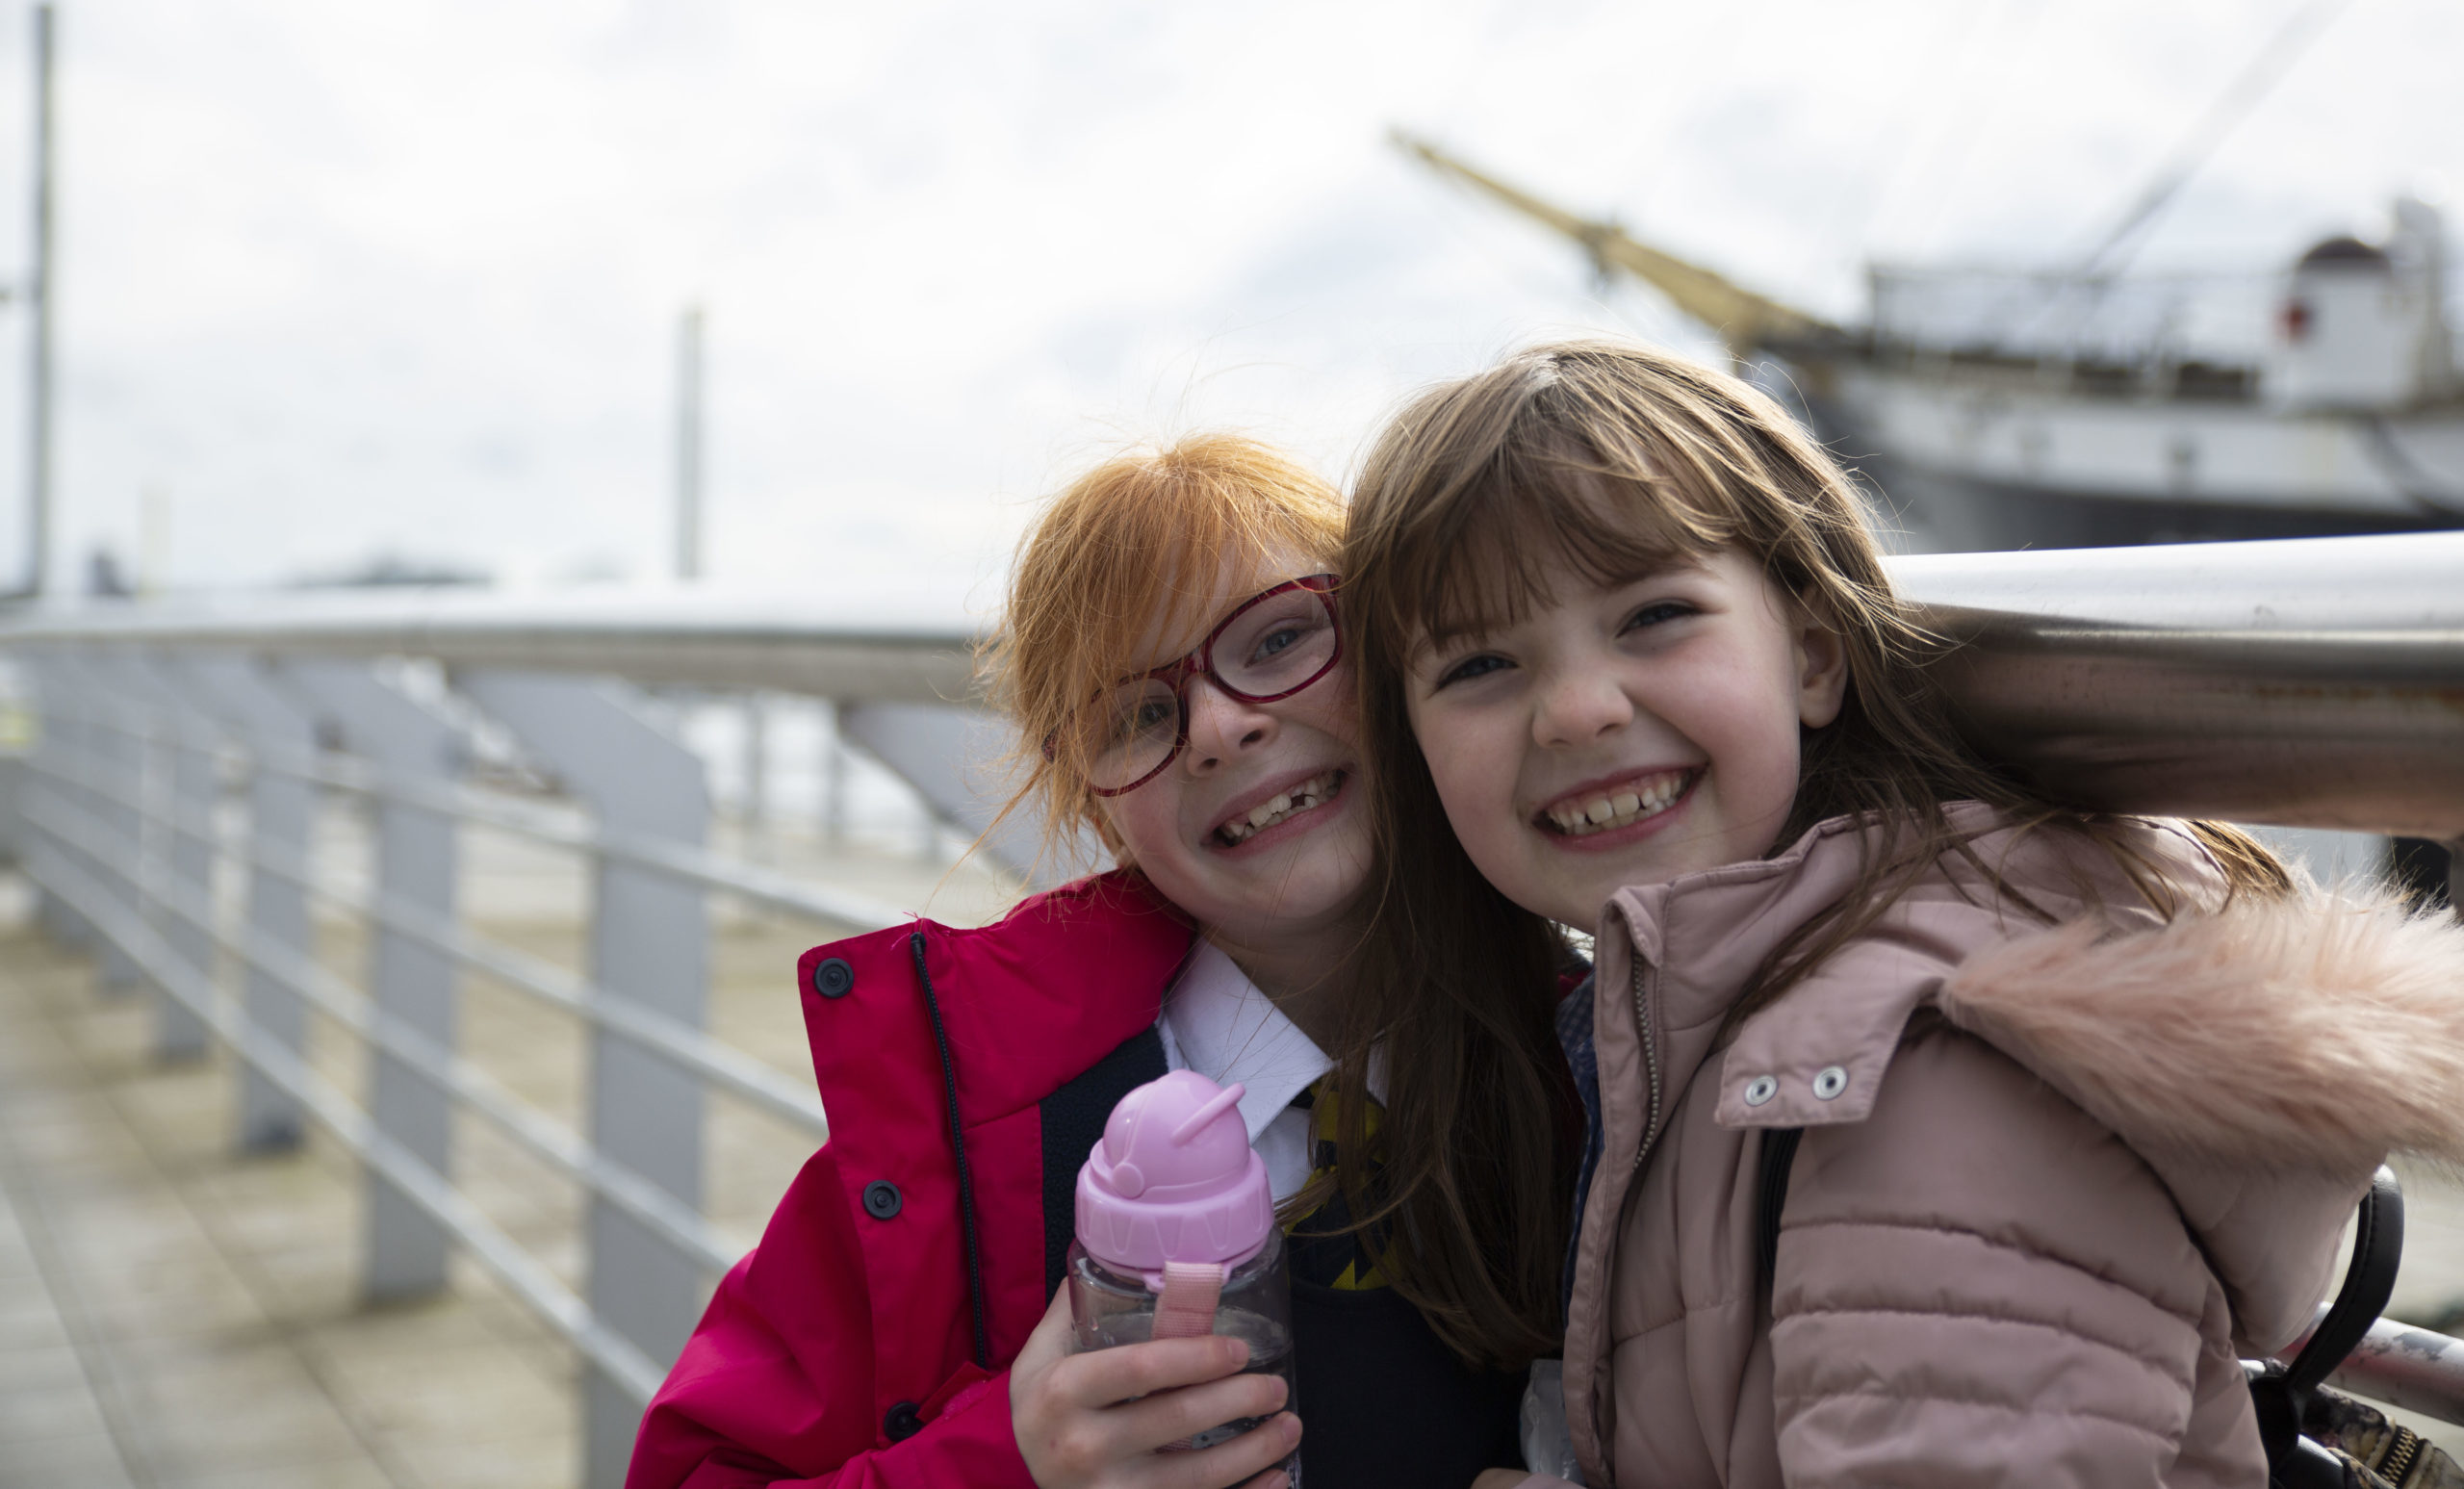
{"x": 2054, "y": 1183}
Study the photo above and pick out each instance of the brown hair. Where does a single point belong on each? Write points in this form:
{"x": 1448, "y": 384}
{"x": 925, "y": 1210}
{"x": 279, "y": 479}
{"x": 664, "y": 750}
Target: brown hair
{"x": 1142, "y": 536}
{"x": 1608, "y": 459}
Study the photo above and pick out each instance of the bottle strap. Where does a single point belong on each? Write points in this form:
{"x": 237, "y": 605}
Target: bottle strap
{"x": 1186, "y": 1308}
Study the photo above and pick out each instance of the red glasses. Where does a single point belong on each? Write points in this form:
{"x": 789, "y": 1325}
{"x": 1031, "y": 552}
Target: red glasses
{"x": 1273, "y": 645}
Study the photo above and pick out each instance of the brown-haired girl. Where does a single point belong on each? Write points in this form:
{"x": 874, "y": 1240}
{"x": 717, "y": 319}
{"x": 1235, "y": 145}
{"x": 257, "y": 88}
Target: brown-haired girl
{"x": 2085, "y": 1101}
{"x": 1171, "y": 656}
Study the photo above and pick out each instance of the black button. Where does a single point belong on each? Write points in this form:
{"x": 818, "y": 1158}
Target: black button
{"x": 833, "y": 978}
{"x": 881, "y": 1200}
{"x": 899, "y": 1423}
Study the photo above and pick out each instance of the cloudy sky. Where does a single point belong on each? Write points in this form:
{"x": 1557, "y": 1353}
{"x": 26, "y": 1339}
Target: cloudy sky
{"x": 342, "y": 278}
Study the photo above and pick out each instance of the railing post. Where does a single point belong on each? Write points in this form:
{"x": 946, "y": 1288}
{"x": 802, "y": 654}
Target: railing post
{"x": 757, "y": 776}
{"x": 181, "y": 768}
{"x": 281, "y": 806}
{"x": 950, "y": 755}
{"x": 58, "y": 740}
{"x": 649, "y": 945}
{"x": 833, "y": 776}
{"x": 407, "y": 1251}
{"x": 115, "y": 787}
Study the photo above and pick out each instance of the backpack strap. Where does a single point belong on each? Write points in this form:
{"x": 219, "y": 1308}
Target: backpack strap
{"x": 2378, "y": 1249}
{"x": 2282, "y": 1394}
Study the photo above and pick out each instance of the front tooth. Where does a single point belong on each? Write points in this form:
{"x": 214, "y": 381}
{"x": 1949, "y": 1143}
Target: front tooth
{"x": 1598, "y": 810}
{"x": 1627, "y": 802}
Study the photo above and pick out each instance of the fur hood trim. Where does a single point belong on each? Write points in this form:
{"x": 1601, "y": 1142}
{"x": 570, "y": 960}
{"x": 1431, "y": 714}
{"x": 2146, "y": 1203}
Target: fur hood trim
{"x": 2319, "y": 1030}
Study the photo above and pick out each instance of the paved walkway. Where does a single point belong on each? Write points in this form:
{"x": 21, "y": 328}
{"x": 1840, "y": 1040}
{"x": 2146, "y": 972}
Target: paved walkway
{"x": 174, "y": 1315}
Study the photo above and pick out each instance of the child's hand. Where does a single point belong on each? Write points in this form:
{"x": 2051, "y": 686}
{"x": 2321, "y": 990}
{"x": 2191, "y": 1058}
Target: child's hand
{"x": 1094, "y": 1421}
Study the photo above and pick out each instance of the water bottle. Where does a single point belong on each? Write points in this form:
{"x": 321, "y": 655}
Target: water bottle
{"x": 1176, "y": 1236}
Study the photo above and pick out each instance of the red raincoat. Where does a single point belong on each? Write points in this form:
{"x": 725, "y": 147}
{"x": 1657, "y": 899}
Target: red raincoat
{"x": 866, "y": 1341}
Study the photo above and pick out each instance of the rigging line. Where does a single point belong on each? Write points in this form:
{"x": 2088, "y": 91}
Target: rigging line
{"x": 2016, "y": 29}
{"x": 1917, "y": 142}
{"x": 2403, "y": 472}
{"x": 2245, "y": 92}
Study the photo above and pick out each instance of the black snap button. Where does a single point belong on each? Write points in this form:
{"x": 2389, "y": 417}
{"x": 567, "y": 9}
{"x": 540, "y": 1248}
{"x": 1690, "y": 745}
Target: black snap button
{"x": 881, "y": 1200}
{"x": 833, "y": 978}
{"x": 899, "y": 1423}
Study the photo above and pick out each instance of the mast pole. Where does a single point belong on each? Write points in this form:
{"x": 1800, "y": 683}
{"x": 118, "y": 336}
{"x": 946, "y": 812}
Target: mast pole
{"x": 688, "y": 445}
{"x": 38, "y": 292}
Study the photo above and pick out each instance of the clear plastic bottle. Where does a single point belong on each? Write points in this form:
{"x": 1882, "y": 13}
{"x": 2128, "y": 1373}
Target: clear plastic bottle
{"x": 1176, "y": 1236}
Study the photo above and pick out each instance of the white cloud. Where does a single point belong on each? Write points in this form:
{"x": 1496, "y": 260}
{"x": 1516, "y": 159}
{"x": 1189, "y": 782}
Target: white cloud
{"x": 341, "y": 276}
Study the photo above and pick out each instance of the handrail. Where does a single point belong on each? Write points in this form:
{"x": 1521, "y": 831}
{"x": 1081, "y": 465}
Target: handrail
{"x": 688, "y": 1048}
{"x": 766, "y": 887}
{"x": 693, "y": 637}
{"x": 2311, "y": 683}
{"x": 762, "y": 887}
{"x": 2413, "y": 1368}
{"x": 474, "y": 1088}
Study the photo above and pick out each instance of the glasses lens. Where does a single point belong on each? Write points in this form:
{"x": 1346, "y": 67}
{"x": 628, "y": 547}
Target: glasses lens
{"x": 1281, "y": 643}
{"x": 1128, "y": 732}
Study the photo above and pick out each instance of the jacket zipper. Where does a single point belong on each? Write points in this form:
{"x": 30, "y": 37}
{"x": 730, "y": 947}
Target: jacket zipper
{"x": 1651, "y": 1059}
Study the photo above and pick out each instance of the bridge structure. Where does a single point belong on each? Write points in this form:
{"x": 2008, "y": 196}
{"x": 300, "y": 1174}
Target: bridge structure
{"x": 281, "y": 835}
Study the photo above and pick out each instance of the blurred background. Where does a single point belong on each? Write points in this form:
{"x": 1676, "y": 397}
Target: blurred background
{"x": 349, "y": 289}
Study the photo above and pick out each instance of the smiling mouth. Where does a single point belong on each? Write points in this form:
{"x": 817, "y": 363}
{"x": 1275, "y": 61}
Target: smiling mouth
{"x": 1310, "y": 794}
{"x": 1623, "y": 804}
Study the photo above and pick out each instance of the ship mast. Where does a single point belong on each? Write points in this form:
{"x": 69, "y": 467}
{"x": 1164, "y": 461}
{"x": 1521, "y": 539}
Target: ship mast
{"x": 1744, "y": 320}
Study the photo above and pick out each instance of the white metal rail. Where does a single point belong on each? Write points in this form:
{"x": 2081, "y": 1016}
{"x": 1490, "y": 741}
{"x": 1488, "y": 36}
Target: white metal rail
{"x": 121, "y": 819}
{"x": 2312, "y": 683}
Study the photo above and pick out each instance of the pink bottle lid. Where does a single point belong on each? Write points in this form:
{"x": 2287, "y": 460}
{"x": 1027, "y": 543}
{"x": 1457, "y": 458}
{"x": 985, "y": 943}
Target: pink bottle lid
{"x": 1173, "y": 1180}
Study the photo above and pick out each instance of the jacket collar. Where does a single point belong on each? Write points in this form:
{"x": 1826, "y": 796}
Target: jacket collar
{"x": 1027, "y": 1002}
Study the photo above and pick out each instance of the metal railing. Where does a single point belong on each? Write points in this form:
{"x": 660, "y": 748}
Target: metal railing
{"x": 2316, "y": 684}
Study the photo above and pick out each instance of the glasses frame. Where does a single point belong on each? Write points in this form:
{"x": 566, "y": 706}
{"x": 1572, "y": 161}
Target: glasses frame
{"x": 1176, "y": 674}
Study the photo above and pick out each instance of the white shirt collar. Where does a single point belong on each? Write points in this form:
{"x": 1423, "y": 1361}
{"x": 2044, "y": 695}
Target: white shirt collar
{"x": 1224, "y": 1028}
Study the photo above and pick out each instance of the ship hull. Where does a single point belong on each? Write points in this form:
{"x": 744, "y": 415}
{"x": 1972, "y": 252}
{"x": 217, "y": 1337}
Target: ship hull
{"x": 1948, "y": 512}
{"x": 1972, "y": 463}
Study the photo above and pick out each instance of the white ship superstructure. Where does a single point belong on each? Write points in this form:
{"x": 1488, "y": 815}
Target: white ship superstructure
{"x": 1992, "y": 409}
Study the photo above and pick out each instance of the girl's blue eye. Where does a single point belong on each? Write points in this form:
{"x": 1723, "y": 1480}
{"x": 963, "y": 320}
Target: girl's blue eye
{"x": 1659, "y": 612}
{"x": 1469, "y": 668}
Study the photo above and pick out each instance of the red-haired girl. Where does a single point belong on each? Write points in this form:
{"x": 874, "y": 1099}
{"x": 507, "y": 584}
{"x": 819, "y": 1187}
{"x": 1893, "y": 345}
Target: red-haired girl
{"x": 1170, "y": 653}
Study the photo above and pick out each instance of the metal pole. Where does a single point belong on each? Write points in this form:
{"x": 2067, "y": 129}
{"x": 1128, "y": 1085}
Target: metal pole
{"x": 405, "y": 1250}
{"x": 757, "y": 776}
{"x": 834, "y": 776}
{"x": 648, "y": 948}
{"x": 688, "y": 445}
{"x": 39, "y": 292}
